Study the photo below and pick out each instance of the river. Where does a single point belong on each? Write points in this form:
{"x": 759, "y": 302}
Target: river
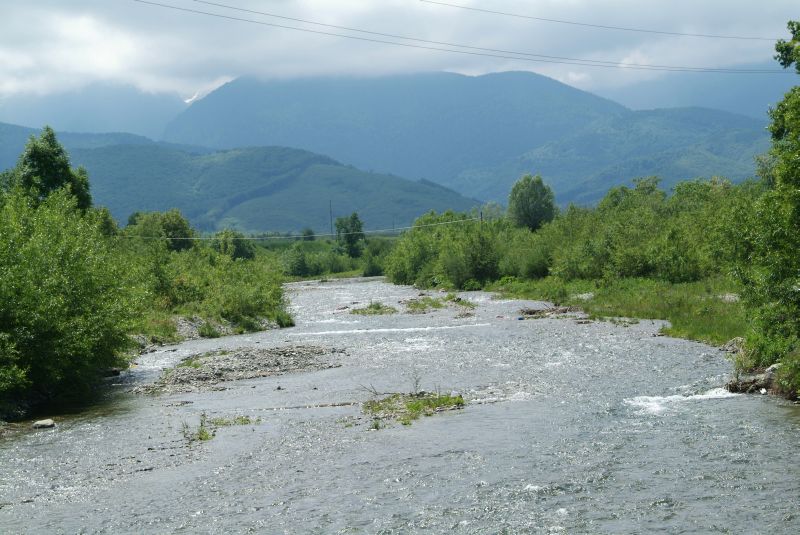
{"x": 569, "y": 428}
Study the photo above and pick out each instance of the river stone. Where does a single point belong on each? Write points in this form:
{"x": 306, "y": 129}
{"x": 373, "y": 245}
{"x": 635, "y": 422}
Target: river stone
{"x": 769, "y": 373}
{"x": 734, "y": 345}
{"x": 44, "y": 424}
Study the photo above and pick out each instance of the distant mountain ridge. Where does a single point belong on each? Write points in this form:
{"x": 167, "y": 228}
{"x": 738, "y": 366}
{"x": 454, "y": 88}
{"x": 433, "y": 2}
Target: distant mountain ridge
{"x": 750, "y": 95}
{"x": 253, "y": 189}
{"x": 476, "y": 134}
{"x": 98, "y": 107}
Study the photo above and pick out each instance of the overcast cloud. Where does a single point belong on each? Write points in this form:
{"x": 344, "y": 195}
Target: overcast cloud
{"x": 55, "y": 45}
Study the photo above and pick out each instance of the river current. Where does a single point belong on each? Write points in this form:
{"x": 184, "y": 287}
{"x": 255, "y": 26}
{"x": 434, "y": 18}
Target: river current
{"x": 569, "y": 428}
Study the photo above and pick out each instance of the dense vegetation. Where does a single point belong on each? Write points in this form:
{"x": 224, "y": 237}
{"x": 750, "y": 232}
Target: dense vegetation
{"x": 74, "y": 287}
{"x": 772, "y": 271}
{"x": 633, "y": 232}
{"x": 476, "y": 134}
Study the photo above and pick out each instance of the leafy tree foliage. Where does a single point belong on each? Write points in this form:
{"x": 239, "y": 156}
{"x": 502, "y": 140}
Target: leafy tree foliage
{"x": 771, "y": 270}
{"x": 308, "y": 234}
{"x": 169, "y": 226}
{"x": 633, "y": 232}
{"x": 67, "y": 300}
{"x": 44, "y": 168}
{"x": 350, "y": 234}
{"x": 788, "y": 52}
{"x": 531, "y": 203}
{"x": 233, "y": 244}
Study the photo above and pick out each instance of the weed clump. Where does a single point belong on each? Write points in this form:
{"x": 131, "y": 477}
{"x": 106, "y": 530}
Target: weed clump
{"x": 208, "y": 426}
{"x": 406, "y": 408}
{"x": 375, "y": 308}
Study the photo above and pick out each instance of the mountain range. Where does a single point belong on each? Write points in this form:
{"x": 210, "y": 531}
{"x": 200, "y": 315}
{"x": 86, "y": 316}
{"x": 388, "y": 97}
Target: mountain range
{"x": 476, "y": 134}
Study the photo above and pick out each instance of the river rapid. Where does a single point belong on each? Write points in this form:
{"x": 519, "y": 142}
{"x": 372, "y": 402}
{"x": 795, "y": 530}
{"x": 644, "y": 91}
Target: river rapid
{"x": 569, "y": 427}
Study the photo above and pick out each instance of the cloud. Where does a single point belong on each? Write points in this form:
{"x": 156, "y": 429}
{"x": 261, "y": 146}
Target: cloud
{"x": 50, "y": 45}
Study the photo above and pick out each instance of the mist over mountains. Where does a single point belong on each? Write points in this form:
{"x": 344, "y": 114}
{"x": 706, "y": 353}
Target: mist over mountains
{"x": 96, "y": 108}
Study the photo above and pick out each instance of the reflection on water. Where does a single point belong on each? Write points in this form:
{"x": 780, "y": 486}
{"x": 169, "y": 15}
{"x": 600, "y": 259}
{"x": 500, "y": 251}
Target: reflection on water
{"x": 569, "y": 428}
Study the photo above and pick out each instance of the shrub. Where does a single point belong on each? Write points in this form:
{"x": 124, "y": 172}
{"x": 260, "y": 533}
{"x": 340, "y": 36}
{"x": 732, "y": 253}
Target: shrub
{"x": 67, "y": 300}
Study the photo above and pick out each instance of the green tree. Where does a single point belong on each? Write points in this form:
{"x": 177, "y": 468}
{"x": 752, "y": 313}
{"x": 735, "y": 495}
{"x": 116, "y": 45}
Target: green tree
{"x": 67, "y": 298}
{"x": 771, "y": 274}
{"x": 788, "y": 52}
{"x": 308, "y": 234}
{"x": 234, "y": 244}
{"x": 350, "y": 234}
{"x": 170, "y": 226}
{"x": 531, "y": 203}
{"x": 44, "y": 168}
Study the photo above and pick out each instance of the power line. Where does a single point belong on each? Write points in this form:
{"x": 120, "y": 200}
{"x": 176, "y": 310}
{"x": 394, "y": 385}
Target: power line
{"x": 600, "y": 26}
{"x": 519, "y": 56}
{"x": 302, "y": 236}
{"x": 468, "y": 47}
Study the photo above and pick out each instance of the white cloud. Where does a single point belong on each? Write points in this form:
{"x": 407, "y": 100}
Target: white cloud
{"x": 51, "y": 45}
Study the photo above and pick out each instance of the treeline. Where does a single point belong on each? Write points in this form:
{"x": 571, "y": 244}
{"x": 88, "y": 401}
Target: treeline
{"x": 633, "y": 232}
{"x": 74, "y": 287}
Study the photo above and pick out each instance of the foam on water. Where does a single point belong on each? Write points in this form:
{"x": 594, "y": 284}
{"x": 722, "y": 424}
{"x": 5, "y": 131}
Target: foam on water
{"x": 392, "y": 330}
{"x": 659, "y": 404}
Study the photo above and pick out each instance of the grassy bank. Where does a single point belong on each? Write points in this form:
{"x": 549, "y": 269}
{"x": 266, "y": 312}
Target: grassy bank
{"x": 707, "y": 311}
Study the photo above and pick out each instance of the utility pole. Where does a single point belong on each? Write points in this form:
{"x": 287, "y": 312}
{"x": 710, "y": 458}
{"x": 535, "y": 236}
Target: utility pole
{"x": 330, "y": 212}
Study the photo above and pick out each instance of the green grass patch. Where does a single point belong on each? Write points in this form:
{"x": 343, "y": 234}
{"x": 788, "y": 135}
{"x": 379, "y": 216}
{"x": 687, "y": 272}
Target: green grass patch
{"x": 208, "y": 426}
{"x": 456, "y": 300}
{"x": 207, "y": 330}
{"x": 191, "y": 362}
{"x": 203, "y": 432}
{"x": 374, "y": 309}
{"x": 424, "y": 304}
{"x": 695, "y": 310}
{"x": 406, "y": 408}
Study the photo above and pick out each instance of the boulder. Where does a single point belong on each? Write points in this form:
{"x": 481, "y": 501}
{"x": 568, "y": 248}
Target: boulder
{"x": 44, "y": 424}
{"x": 751, "y": 383}
{"x": 734, "y": 345}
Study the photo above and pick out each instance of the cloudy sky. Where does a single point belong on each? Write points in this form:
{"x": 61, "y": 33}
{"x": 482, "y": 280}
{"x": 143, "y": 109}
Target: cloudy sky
{"x": 53, "y": 45}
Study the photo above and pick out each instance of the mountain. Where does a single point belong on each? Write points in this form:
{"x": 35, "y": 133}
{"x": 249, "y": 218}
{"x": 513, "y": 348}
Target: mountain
{"x": 96, "y": 108}
{"x": 476, "y": 134}
{"x": 253, "y": 189}
{"x": 750, "y": 95}
{"x": 672, "y": 144}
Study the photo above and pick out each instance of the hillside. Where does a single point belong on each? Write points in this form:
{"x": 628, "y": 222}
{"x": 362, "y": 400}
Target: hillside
{"x": 475, "y": 134}
{"x": 255, "y": 189}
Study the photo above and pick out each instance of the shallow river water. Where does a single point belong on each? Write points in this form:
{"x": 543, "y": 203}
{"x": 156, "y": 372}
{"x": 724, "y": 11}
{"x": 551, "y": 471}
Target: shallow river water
{"x": 568, "y": 428}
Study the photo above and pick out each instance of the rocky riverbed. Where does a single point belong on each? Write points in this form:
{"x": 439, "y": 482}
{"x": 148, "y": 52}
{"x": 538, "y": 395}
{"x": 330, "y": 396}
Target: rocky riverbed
{"x": 207, "y": 371}
{"x": 567, "y": 426}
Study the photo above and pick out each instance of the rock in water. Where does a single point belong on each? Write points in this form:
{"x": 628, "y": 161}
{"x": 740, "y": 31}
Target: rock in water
{"x": 44, "y": 424}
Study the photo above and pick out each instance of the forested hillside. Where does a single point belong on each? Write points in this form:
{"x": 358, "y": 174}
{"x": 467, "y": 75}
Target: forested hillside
{"x": 253, "y": 189}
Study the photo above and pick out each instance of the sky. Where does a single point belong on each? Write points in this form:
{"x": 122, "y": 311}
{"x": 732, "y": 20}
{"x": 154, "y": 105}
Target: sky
{"x": 51, "y": 46}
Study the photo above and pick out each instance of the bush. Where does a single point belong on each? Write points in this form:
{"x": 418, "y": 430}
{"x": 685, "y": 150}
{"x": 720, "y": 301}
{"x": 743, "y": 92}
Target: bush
{"x": 67, "y": 300}
{"x": 233, "y": 244}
